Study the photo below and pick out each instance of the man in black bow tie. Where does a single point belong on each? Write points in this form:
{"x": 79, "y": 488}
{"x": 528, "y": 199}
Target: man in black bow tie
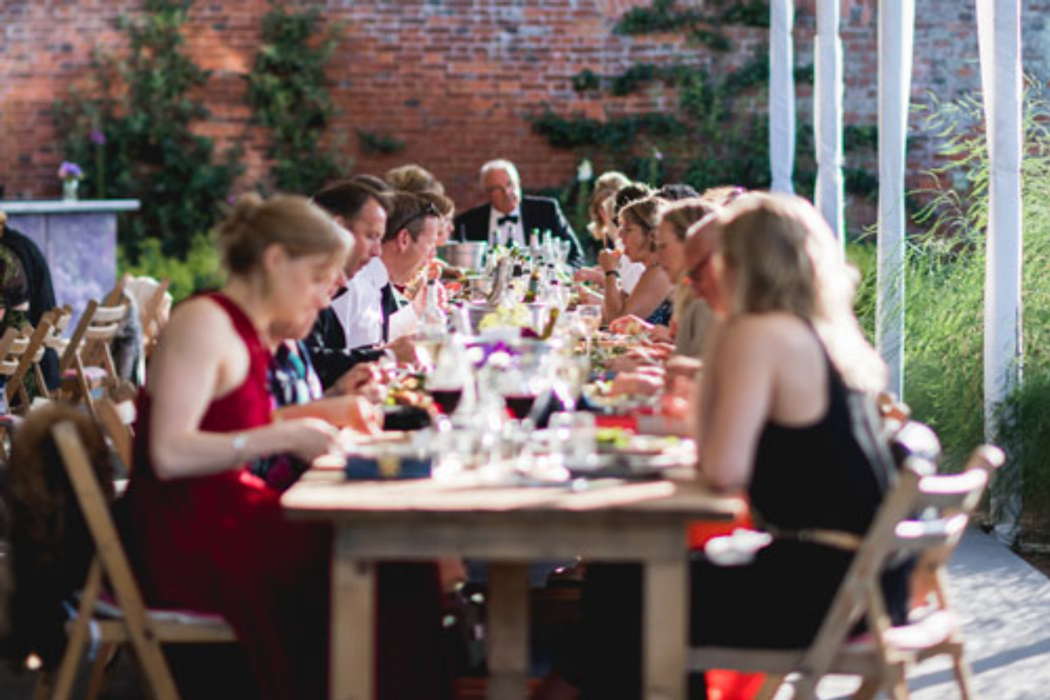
{"x": 510, "y": 217}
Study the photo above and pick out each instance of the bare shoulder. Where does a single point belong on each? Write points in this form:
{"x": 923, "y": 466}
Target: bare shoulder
{"x": 773, "y": 333}
{"x": 200, "y": 322}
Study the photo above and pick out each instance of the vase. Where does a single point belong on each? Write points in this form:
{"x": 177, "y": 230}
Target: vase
{"x": 69, "y": 189}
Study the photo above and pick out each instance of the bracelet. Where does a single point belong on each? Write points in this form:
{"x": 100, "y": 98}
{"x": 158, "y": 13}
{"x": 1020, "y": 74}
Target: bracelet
{"x": 614, "y": 273}
{"x": 239, "y": 442}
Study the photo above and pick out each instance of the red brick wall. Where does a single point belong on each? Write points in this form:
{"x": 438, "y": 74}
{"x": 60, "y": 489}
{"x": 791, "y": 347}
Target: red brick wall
{"x": 454, "y": 79}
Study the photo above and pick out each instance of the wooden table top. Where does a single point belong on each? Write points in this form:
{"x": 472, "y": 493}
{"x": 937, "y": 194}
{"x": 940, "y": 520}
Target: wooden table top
{"x": 324, "y": 494}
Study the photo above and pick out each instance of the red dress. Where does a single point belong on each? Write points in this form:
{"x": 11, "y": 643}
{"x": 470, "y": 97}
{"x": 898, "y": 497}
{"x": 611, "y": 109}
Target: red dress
{"x": 220, "y": 543}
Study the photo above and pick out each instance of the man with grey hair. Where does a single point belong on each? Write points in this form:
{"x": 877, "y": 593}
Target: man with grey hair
{"x": 510, "y": 217}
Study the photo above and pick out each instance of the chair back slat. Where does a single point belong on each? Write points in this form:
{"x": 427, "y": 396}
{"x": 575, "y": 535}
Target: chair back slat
{"x": 919, "y": 535}
{"x": 950, "y": 491}
{"x": 101, "y": 332}
{"x": 109, "y": 314}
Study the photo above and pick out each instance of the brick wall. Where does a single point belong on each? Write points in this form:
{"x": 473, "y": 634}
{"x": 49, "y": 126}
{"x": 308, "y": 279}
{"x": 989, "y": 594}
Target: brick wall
{"x": 454, "y": 79}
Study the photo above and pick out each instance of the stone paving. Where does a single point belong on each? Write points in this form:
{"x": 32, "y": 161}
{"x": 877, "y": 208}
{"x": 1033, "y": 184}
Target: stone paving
{"x": 1005, "y": 607}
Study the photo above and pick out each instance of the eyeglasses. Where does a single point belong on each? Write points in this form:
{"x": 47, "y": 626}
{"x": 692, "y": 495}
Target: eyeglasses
{"x": 428, "y": 209}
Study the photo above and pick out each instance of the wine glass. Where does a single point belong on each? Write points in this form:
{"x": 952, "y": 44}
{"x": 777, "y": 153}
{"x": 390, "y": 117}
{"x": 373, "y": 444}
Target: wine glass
{"x": 590, "y": 318}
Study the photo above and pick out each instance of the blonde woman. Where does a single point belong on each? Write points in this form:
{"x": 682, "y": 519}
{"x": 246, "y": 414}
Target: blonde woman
{"x": 777, "y": 422}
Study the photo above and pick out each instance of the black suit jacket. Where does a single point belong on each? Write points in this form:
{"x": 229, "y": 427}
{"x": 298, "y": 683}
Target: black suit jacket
{"x": 328, "y": 352}
{"x": 541, "y": 213}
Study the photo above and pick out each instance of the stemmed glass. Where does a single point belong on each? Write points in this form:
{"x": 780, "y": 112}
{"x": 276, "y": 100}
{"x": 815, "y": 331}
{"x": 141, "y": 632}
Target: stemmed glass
{"x": 590, "y": 318}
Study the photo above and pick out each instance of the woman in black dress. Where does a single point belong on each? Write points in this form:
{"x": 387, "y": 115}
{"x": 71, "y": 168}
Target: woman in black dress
{"x": 776, "y": 424}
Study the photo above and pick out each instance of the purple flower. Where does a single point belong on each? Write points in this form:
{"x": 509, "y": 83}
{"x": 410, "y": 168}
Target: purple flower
{"x": 70, "y": 171}
{"x": 97, "y": 137}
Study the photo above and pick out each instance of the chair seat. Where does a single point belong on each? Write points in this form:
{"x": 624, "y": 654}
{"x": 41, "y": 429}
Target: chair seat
{"x": 169, "y": 624}
{"x": 93, "y": 374}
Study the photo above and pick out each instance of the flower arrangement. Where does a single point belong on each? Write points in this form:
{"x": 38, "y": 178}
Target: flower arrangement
{"x": 70, "y": 173}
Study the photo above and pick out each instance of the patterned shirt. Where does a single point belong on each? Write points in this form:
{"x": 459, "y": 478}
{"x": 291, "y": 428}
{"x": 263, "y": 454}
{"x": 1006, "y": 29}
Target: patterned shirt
{"x": 292, "y": 380}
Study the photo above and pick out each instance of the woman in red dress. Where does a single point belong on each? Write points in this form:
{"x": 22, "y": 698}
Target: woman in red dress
{"x": 207, "y": 534}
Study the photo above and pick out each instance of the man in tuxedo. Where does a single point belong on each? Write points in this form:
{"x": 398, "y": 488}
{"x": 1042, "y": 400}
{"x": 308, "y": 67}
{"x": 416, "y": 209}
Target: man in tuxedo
{"x": 509, "y": 216}
{"x": 348, "y": 332}
{"x": 411, "y": 237}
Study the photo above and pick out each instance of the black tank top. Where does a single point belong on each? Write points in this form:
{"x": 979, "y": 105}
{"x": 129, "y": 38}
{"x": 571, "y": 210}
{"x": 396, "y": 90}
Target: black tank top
{"x": 816, "y": 476}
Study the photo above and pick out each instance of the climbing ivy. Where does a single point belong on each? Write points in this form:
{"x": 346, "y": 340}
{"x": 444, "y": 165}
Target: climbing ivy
{"x": 719, "y": 133}
{"x": 373, "y": 142}
{"x": 288, "y": 91}
{"x": 701, "y": 27}
{"x": 705, "y": 141}
{"x": 132, "y": 133}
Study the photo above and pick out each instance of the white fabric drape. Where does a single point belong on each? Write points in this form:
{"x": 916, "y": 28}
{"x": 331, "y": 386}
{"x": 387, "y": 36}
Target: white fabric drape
{"x": 781, "y": 95}
{"x": 999, "y": 38}
{"x": 896, "y": 35}
{"x": 827, "y": 105}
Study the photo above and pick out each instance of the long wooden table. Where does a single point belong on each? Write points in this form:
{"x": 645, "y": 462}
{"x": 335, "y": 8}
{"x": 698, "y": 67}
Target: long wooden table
{"x": 641, "y": 522}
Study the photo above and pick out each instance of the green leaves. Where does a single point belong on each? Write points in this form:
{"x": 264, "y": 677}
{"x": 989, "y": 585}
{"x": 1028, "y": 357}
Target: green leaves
{"x": 288, "y": 91}
{"x": 144, "y": 106}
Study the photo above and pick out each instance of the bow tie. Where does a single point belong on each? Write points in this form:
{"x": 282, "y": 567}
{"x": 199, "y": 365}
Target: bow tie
{"x": 512, "y": 218}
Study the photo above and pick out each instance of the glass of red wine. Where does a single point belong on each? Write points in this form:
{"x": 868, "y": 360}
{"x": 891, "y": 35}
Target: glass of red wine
{"x": 447, "y": 399}
{"x": 520, "y": 385}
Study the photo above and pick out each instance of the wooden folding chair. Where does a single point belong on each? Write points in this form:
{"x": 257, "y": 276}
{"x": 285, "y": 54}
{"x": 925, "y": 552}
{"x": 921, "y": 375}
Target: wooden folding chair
{"x": 93, "y": 334}
{"x": 153, "y": 308}
{"x": 921, "y": 514}
{"x": 129, "y": 621}
{"x": 24, "y": 352}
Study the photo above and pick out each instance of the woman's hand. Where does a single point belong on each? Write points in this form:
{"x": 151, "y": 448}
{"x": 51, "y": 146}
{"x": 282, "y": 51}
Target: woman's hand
{"x": 636, "y": 383}
{"x": 588, "y": 274}
{"x": 361, "y": 380}
{"x": 630, "y": 325}
{"x": 609, "y": 260}
{"x": 309, "y": 438}
{"x": 587, "y": 296}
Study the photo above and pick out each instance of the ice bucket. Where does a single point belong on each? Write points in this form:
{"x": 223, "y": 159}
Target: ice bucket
{"x": 465, "y": 255}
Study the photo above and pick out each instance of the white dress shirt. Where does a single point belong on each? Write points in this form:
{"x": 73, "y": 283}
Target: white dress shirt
{"x": 360, "y": 309}
{"x": 503, "y": 234}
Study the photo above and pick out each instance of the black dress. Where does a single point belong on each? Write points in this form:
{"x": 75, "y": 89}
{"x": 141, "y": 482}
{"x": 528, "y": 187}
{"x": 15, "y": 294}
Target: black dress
{"x": 816, "y": 476}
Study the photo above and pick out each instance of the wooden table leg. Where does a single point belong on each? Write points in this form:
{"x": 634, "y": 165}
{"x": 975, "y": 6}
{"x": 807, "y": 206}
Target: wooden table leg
{"x": 666, "y": 629}
{"x": 351, "y": 659}
{"x": 508, "y": 631}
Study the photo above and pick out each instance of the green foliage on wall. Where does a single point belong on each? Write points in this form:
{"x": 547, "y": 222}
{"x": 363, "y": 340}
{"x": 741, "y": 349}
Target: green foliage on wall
{"x": 373, "y": 142}
{"x": 131, "y": 132}
{"x": 701, "y": 27}
{"x": 707, "y": 141}
{"x": 288, "y": 91}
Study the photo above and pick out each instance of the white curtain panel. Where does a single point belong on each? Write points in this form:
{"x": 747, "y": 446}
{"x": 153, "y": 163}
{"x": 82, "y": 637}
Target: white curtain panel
{"x": 896, "y": 39}
{"x": 781, "y": 95}
{"x": 827, "y": 101}
{"x": 999, "y": 39}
